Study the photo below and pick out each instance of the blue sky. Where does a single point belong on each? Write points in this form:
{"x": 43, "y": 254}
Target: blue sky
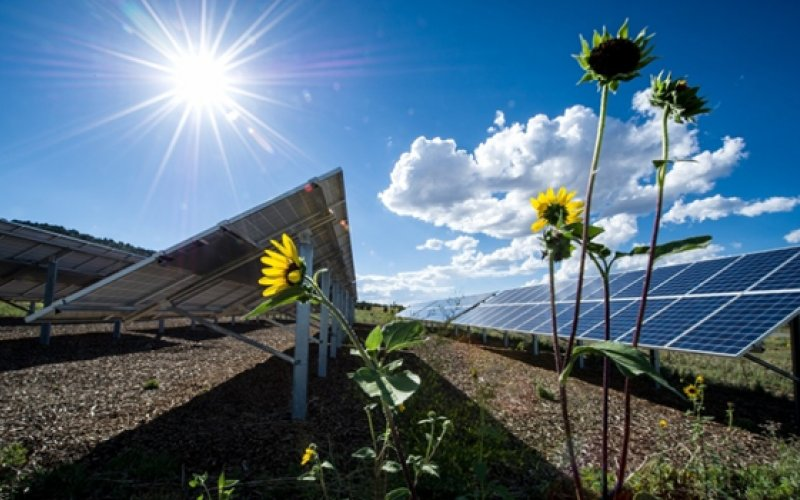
{"x": 445, "y": 116}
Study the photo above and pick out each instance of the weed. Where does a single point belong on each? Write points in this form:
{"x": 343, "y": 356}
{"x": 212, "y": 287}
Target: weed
{"x": 151, "y": 384}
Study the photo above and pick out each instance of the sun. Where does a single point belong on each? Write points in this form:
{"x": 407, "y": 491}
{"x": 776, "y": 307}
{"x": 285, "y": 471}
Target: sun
{"x": 200, "y": 81}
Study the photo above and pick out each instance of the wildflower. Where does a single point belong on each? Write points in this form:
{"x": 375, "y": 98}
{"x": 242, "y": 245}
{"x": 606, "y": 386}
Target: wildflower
{"x": 401, "y": 407}
{"x": 691, "y": 391}
{"x": 555, "y": 209}
{"x": 662, "y": 423}
{"x": 699, "y": 380}
{"x": 611, "y": 59}
{"x": 677, "y": 98}
{"x": 308, "y": 455}
{"x": 283, "y": 269}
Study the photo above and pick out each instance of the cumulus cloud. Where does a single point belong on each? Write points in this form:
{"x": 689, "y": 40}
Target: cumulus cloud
{"x": 717, "y": 206}
{"x": 460, "y": 244}
{"x": 793, "y": 236}
{"x": 488, "y": 190}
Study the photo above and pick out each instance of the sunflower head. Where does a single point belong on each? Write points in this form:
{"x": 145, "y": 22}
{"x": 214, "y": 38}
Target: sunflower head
{"x": 691, "y": 391}
{"x": 677, "y": 98}
{"x": 699, "y": 380}
{"x": 556, "y": 209}
{"x": 614, "y": 59}
{"x": 309, "y": 454}
{"x": 283, "y": 267}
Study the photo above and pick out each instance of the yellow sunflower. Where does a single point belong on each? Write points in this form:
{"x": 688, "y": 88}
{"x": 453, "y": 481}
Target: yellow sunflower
{"x": 699, "y": 380}
{"x": 691, "y": 391}
{"x": 308, "y": 455}
{"x": 283, "y": 269}
{"x": 556, "y": 208}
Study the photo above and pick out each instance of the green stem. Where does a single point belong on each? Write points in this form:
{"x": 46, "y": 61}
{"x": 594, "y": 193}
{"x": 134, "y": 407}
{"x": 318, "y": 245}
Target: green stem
{"x": 660, "y": 178}
{"x": 576, "y": 475}
{"x": 387, "y": 410}
{"x": 587, "y": 210}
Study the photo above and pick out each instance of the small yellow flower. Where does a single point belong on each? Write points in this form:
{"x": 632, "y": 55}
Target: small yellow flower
{"x": 401, "y": 407}
{"x": 662, "y": 423}
{"x": 699, "y": 380}
{"x": 555, "y": 208}
{"x": 308, "y": 455}
{"x": 283, "y": 269}
{"x": 691, "y": 391}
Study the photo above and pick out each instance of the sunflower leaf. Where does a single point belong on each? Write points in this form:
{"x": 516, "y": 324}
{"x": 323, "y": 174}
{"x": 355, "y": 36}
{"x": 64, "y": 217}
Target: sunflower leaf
{"x": 374, "y": 339}
{"x": 402, "y": 334}
{"x": 393, "y": 388}
{"x": 671, "y": 247}
{"x": 630, "y": 361}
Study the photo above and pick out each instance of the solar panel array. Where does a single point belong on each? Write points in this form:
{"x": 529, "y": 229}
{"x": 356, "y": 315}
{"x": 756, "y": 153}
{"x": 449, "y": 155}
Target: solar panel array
{"x": 216, "y": 271}
{"x": 444, "y": 310}
{"x": 720, "y": 306}
{"x": 25, "y": 252}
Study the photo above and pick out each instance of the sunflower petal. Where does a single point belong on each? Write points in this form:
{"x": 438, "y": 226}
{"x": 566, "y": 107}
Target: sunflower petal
{"x": 290, "y": 246}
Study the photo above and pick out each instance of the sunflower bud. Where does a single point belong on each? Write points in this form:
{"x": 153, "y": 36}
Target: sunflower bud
{"x": 677, "y": 98}
{"x": 612, "y": 59}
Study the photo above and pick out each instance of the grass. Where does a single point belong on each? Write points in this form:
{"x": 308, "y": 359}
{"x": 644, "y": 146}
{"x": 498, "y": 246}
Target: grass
{"x": 9, "y": 311}
{"x": 376, "y": 314}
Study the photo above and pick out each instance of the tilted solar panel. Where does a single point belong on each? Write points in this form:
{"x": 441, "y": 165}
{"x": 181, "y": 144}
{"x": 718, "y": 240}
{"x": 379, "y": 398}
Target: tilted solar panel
{"x": 719, "y": 306}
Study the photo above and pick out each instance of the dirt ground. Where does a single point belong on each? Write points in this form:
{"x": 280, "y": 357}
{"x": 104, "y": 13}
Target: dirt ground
{"x": 222, "y": 404}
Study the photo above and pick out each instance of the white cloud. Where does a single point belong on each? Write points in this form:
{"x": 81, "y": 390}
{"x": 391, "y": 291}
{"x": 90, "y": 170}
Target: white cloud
{"x": 717, "y": 206}
{"x": 488, "y": 191}
{"x": 460, "y": 244}
{"x": 793, "y": 236}
{"x": 431, "y": 244}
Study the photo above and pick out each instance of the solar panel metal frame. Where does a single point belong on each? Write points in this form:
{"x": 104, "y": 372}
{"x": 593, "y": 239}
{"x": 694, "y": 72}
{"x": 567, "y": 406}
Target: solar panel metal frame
{"x": 215, "y": 272}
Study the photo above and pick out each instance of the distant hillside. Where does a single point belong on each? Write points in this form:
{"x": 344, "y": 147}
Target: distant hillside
{"x": 127, "y": 247}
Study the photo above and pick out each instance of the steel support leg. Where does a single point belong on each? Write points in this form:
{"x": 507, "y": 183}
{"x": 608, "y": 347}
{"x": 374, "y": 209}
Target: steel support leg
{"x": 301, "y": 336}
{"x": 49, "y": 294}
{"x": 324, "y": 327}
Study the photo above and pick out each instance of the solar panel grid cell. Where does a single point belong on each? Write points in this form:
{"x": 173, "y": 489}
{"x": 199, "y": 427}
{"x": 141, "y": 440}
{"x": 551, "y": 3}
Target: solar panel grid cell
{"x": 786, "y": 278}
{"x": 691, "y": 277}
{"x": 660, "y": 329}
{"x": 532, "y": 316}
{"x": 739, "y": 324}
{"x": 746, "y": 271}
{"x": 660, "y": 275}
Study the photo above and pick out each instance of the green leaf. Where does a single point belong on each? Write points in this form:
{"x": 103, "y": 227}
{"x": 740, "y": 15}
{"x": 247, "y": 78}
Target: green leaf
{"x": 364, "y": 453}
{"x": 402, "y": 334}
{"x": 307, "y": 476}
{"x": 398, "y": 494}
{"x": 392, "y": 388}
{"x": 287, "y": 296}
{"x": 431, "y": 469}
{"x": 576, "y": 230}
{"x": 394, "y": 365}
{"x": 374, "y": 339}
{"x": 327, "y": 465}
{"x": 319, "y": 273}
{"x": 671, "y": 247}
{"x": 391, "y": 467}
{"x": 629, "y": 361}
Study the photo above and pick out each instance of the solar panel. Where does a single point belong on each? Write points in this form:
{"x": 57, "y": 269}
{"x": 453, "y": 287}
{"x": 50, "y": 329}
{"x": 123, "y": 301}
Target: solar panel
{"x": 741, "y": 323}
{"x": 216, "y": 271}
{"x": 719, "y": 306}
{"x": 746, "y": 271}
{"x": 25, "y": 252}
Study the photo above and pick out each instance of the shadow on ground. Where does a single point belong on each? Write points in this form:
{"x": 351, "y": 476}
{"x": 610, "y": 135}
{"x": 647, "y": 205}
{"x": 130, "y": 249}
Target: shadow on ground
{"x": 243, "y": 427}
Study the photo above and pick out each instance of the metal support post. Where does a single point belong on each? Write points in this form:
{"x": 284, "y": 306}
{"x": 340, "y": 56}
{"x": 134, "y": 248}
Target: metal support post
{"x": 32, "y": 307}
{"x": 301, "y": 336}
{"x": 49, "y": 294}
{"x": 581, "y": 358}
{"x": 324, "y": 327}
{"x": 505, "y": 339}
{"x": 192, "y": 325}
{"x": 535, "y": 345}
{"x": 335, "y": 327}
{"x": 483, "y": 335}
{"x": 655, "y": 362}
{"x": 117, "y": 330}
{"x": 794, "y": 341}
{"x": 233, "y": 320}
{"x": 160, "y": 327}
